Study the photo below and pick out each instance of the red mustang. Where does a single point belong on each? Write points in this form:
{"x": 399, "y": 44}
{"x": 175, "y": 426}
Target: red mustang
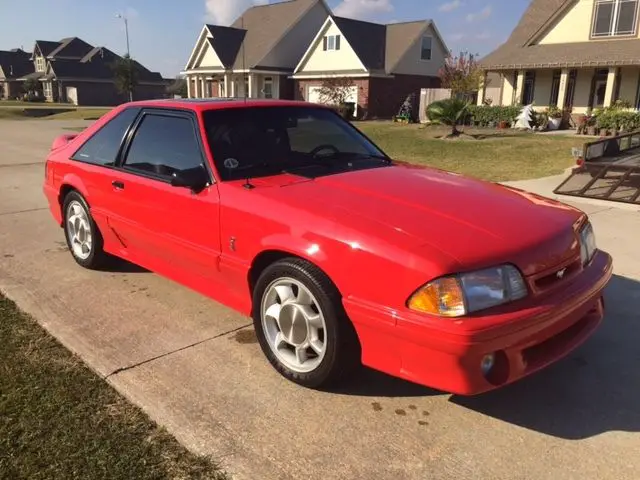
{"x": 286, "y": 212}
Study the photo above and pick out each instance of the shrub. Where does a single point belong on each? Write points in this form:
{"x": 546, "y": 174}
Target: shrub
{"x": 485, "y": 115}
{"x": 451, "y": 112}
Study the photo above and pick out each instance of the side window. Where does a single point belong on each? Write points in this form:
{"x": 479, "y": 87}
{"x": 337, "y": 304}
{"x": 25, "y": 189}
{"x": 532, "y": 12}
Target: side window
{"x": 164, "y": 145}
{"x": 102, "y": 148}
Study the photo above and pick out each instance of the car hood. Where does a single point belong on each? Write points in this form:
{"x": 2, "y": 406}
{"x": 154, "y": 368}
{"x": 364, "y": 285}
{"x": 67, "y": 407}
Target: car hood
{"x": 476, "y": 223}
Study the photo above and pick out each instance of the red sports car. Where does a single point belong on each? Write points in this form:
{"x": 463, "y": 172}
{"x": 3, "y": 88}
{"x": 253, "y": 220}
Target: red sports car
{"x": 288, "y": 213}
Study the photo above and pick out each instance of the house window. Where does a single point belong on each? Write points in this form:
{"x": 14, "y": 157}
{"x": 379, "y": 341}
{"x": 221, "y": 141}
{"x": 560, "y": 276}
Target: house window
{"x": 246, "y": 86}
{"x": 425, "y": 52}
{"x": 47, "y": 89}
{"x": 555, "y": 88}
{"x": 529, "y": 87}
{"x": 331, "y": 42}
{"x": 40, "y": 64}
{"x": 268, "y": 87}
{"x": 615, "y": 17}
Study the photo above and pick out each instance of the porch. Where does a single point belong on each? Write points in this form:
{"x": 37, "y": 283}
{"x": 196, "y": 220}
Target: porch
{"x": 233, "y": 85}
{"x": 578, "y": 89}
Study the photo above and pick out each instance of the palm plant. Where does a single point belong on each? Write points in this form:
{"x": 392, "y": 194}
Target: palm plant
{"x": 448, "y": 112}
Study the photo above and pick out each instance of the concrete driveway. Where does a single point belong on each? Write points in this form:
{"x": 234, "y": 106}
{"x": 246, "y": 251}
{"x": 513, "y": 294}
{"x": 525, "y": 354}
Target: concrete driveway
{"x": 195, "y": 367}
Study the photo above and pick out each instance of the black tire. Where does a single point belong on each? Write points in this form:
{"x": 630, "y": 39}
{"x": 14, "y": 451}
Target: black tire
{"x": 97, "y": 256}
{"x": 342, "y": 355}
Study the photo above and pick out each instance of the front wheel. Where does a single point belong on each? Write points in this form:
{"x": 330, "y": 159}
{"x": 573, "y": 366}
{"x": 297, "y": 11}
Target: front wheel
{"x": 301, "y": 325}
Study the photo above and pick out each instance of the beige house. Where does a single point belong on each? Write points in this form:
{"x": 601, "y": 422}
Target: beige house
{"x": 255, "y": 56}
{"x": 577, "y": 54}
{"x": 386, "y": 63}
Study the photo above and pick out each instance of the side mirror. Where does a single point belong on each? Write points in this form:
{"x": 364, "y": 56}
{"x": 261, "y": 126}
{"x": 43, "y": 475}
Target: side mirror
{"x": 196, "y": 179}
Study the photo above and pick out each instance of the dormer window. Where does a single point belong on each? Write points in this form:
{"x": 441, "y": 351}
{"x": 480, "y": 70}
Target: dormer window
{"x": 331, "y": 42}
{"x": 40, "y": 64}
{"x": 615, "y": 18}
{"x": 425, "y": 53}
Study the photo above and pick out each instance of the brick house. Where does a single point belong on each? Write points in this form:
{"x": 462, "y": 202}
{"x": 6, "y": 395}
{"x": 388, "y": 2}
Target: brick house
{"x": 278, "y": 51}
{"x": 13, "y": 65}
{"x": 74, "y": 71}
{"x": 576, "y": 54}
{"x": 385, "y": 62}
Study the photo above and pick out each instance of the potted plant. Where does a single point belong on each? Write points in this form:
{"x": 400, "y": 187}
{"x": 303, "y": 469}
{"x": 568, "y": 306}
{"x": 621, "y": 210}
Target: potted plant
{"x": 554, "y": 115}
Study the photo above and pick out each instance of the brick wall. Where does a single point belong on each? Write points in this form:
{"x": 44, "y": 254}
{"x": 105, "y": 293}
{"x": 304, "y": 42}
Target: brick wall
{"x": 379, "y": 97}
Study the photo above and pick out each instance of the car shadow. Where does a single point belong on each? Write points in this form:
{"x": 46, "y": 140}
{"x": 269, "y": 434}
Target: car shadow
{"x": 594, "y": 390}
{"x": 371, "y": 383}
{"x": 119, "y": 265}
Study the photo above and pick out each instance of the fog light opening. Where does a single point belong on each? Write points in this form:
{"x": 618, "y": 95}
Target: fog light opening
{"x": 487, "y": 363}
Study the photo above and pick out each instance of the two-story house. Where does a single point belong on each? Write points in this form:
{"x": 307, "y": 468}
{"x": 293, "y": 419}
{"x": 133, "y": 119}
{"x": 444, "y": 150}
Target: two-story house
{"x": 13, "y": 65}
{"x": 577, "y": 54}
{"x": 71, "y": 70}
{"x": 287, "y": 49}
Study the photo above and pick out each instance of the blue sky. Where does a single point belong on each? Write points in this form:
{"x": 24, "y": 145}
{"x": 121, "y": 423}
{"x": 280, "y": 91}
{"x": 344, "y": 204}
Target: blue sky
{"x": 163, "y": 32}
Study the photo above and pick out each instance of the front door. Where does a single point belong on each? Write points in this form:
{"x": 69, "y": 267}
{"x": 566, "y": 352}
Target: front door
{"x": 159, "y": 225}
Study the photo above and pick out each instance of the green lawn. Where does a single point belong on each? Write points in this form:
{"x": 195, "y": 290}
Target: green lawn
{"x": 498, "y": 155}
{"x": 58, "y": 420}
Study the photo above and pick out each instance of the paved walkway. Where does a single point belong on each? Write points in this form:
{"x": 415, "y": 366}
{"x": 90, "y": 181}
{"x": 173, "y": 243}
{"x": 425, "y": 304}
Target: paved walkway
{"x": 195, "y": 367}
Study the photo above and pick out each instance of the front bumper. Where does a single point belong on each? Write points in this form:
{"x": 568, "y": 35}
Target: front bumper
{"x": 447, "y": 354}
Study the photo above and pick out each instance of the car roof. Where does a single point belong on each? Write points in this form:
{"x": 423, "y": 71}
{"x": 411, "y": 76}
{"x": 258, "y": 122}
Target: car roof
{"x": 203, "y": 104}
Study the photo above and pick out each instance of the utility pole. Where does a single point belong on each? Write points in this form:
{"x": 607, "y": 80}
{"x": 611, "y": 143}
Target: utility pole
{"x": 126, "y": 31}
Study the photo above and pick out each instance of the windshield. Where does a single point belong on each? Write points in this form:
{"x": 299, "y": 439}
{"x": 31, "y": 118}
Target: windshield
{"x": 248, "y": 142}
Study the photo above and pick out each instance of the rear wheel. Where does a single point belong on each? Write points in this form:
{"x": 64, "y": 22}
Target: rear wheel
{"x": 301, "y": 325}
{"x": 83, "y": 237}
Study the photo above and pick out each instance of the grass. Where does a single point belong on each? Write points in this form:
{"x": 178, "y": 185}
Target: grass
{"x": 60, "y": 420}
{"x": 80, "y": 114}
{"x": 499, "y": 156}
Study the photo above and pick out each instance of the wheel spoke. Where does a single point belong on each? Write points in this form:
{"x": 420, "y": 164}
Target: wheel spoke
{"x": 285, "y": 293}
{"x": 313, "y": 318}
{"x": 304, "y": 297}
{"x": 317, "y": 346}
{"x": 273, "y": 311}
{"x": 301, "y": 354}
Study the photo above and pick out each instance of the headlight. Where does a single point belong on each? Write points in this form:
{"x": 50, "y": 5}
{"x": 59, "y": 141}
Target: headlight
{"x": 458, "y": 295}
{"x": 587, "y": 243}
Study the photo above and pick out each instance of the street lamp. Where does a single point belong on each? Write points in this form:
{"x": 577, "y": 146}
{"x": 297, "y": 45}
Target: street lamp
{"x": 126, "y": 30}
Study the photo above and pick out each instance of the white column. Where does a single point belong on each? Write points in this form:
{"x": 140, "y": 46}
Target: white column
{"x": 227, "y": 84}
{"x": 202, "y": 90}
{"x": 196, "y": 86}
{"x": 251, "y": 85}
{"x": 482, "y": 90}
{"x": 188, "y": 86}
{"x": 611, "y": 86}
{"x": 562, "y": 92}
{"x": 520, "y": 87}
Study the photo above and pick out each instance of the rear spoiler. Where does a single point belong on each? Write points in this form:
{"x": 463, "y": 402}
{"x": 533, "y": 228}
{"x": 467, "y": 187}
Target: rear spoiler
{"x": 62, "y": 140}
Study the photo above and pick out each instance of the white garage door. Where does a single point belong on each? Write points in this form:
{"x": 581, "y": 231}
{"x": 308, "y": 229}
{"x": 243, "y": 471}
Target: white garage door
{"x": 313, "y": 95}
{"x": 72, "y": 95}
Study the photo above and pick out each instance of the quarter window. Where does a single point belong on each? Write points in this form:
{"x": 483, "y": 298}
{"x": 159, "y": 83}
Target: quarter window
{"x": 425, "y": 53}
{"x": 164, "y": 145}
{"x": 615, "y": 17}
{"x": 103, "y": 147}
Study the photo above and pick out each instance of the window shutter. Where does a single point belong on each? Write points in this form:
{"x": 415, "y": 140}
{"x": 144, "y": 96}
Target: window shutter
{"x": 324, "y": 44}
{"x": 337, "y": 42}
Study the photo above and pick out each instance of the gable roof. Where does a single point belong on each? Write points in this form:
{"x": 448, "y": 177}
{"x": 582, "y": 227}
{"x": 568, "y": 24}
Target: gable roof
{"x": 379, "y": 47}
{"x": 226, "y": 42}
{"x": 15, "y": 63}
{"x": 72, "y": 47}
{"x": 265, "y": 25}
{"x": 367, "y": 40}
{"x": 45, "y": 47}
{"x": 520, "y": 52}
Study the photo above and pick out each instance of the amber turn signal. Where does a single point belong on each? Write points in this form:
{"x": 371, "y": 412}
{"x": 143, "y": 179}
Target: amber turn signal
{"x": 442, "y": 297}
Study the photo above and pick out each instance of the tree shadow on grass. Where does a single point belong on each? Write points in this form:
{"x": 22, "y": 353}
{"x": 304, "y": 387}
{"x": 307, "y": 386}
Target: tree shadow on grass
{"x": 594, "y": 390}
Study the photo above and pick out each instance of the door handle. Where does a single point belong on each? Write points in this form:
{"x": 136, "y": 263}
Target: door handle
{"x": 118, "y": 184}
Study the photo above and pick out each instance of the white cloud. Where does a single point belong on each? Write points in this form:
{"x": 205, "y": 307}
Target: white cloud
{"x": 225, "y": 12}
{"x": 483, "y": 36}
{"x": 481, "y": 15}
{"x": 363, "y": 9}
{"x": 450, "y": 6}
{"x": 455, "y": 37}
